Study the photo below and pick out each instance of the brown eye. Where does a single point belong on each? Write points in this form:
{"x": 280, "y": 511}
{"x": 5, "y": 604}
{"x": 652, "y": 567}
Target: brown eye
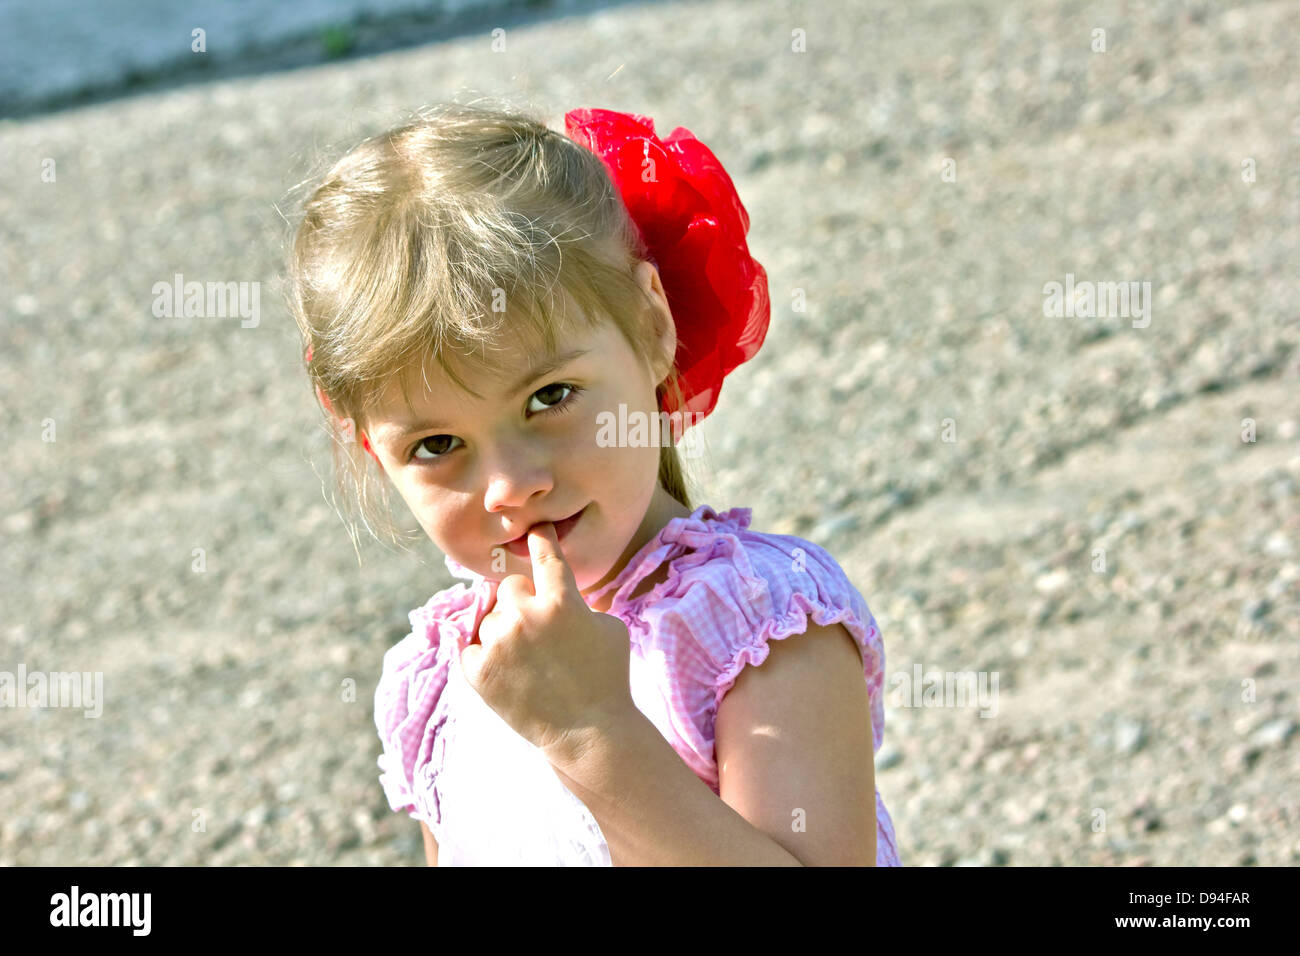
{"x": 551, "y": 391}
{"x": 433, "y": 444}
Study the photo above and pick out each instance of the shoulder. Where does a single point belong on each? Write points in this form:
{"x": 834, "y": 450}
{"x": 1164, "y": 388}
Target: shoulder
{"x": 736, "y": 590}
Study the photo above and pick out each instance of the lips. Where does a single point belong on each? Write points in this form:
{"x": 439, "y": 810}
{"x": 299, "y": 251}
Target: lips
{"x": 519, "y": 546}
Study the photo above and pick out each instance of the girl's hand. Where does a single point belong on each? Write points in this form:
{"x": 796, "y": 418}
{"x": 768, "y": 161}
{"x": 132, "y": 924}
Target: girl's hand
{"x": 554, "y": 670}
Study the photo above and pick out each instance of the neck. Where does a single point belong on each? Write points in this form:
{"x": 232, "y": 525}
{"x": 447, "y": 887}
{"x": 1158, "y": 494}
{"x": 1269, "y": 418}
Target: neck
{"x": 663, "y": 508}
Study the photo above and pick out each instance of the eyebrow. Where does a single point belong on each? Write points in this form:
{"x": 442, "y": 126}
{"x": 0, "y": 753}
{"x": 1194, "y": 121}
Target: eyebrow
{"x": 548, "y": 365}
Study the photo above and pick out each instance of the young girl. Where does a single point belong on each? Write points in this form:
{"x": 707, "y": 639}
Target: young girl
{"x": 492, "y": 312}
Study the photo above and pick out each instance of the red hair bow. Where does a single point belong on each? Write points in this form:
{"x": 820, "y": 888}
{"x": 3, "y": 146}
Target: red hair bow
{"x": 694, "y": 225}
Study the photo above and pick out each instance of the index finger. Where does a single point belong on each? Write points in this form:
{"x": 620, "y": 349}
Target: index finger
{"x": 551, "y": 573}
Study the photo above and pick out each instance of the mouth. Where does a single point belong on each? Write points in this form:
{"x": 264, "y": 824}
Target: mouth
{"x": 519, "y": 546}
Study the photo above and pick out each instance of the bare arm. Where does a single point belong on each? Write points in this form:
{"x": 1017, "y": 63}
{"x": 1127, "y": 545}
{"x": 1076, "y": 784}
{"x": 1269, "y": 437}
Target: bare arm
{"x": 430, "y": 845}
{"x": 777, "y": 758}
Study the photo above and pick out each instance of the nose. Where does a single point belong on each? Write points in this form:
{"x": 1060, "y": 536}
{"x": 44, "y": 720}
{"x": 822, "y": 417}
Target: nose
{"x": 516, "y": 476}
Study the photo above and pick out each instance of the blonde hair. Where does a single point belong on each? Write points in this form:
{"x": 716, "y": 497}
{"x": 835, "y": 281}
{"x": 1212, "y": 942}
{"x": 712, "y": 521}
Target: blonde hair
{"x": 409, "y": 243}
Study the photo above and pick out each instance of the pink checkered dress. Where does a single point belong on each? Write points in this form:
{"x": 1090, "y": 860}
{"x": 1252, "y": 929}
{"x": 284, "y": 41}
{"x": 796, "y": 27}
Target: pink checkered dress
{"x": 489, "y": 796}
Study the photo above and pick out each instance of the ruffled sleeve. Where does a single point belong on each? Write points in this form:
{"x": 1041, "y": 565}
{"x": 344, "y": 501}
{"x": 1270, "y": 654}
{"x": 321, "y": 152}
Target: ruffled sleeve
{"x": 732, "y": 591}
{"x": 410, "y": 711}
{"x": 794, "y": 581}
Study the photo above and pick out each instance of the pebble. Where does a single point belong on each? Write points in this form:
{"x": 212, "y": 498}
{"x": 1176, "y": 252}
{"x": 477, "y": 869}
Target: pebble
{"x": 887, "y": 756}
{"x": 1130, "y": 735}
{"x": 259, "y": 816}
{"x": 20, "y": 522}
{"x": 1053, "y": 581}
{"x": 1277, "y": 545}
{"x": 1041, "y": 611}
{"x": 1256, "y": 610}
{"x": 1281, "y": 583}
{"x": 832, "y": 526}
{"x": 1275, "y": 733}
{"x": 998, "y": 761}
{"x": 1239, "y": 759}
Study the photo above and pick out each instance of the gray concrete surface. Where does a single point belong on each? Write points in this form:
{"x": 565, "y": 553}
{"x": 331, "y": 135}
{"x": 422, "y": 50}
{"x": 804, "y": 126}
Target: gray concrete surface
{"x": 1146, "y": 712}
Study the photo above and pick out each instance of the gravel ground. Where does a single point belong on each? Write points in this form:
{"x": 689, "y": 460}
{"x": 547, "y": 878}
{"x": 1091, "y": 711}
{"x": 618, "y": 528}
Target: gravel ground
{"x": 1146, "y": 711}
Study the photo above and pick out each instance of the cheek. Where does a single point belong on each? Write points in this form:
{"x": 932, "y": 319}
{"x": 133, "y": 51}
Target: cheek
{"x": 457, "y": 531}
{"x": 615, "y": 465}
{"x": 601, "y": 417}
{"x": 437, "y": 513}
{"x": 578, "y": 440}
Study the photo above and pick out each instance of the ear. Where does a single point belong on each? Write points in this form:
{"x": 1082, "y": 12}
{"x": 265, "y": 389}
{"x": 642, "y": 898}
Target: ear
{"x": 661, "y": 317}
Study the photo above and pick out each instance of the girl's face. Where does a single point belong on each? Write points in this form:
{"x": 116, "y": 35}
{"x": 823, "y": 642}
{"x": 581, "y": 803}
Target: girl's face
{"x": 477, "y": 473}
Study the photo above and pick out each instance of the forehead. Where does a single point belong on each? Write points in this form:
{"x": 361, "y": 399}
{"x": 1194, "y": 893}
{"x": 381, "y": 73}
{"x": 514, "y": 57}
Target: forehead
{"x": 482, "y": 373}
